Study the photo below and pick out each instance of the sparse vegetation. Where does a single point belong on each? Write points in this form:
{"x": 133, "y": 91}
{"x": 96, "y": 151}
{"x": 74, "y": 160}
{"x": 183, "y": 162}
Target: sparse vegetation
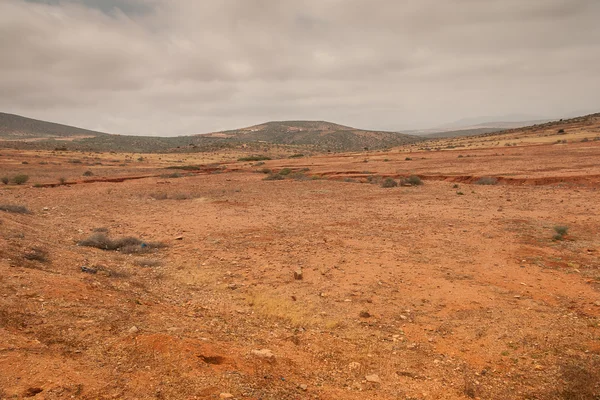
{"x": 186, "y": 167}
{"x": 254, "y": 158}
{"x": 412, "y": 180}
{"x": 5, "y": 180}
{"x": 486, "y": 180}
{"x": 561, "y": 232}
{"x": 285, "y": 171}
{"x": 36, "y": 254}
{"x": 14, "y": 209}
{"x": 273, "y": 177}
{"x": 298, "y": 155}
{"x": 127, "y": 245}
{"x": 62, "y": 180}
{"x": 20, "y": 179}
{"x": 88, "y": 173}
{"x": 389, "y": 183}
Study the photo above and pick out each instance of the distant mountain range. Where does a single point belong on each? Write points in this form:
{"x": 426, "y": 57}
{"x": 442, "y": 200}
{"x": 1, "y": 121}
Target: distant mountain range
{"x": 320, "y": 136}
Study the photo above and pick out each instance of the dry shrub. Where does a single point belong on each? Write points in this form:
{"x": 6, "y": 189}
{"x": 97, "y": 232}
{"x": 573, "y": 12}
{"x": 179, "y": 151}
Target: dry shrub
{"x": 127, "y": 245}
{"x": 36, "y": 254}
{"x": 14, "y": 209}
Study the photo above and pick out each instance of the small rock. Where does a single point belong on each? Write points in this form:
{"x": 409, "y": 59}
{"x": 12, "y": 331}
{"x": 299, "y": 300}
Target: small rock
{"x": 179, "y": 238}
{"x": 133, "y": 329}
{"x": 298, "y": 275}
{"x": 303, "y": 387}
{"x": 88, "y": 270}
{"x": 232, "y": 286}
{"x": 264, "y": 353}
{"x": 364, "y": 314}
{"x": 226, "y": 396}
{"x": 373, "y": 378}
{"x": 403, "y": 317}
{"x": 353, "y": 365}
{"x": 597, "y": 303}
{"x": 45, "y": 209}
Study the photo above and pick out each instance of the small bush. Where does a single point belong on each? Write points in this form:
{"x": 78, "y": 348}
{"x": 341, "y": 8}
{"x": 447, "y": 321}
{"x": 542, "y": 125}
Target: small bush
{"x": 584, "y": 140}
{"x": 460, "y": 193}
{"x": 88, "y": 173}
{"x": 62, "y": 180}
{"x": 260, "y": 163}
{"x": 486, "y": 180}
{"x": 127, "y": 245}
{"x": 561, "y": 232}
{"x": 412, "y": 180}
{"x": 186, "y": 167}
{"x": 254, "y": 158}
{"x": 5, "y": 180}
{"x": 265, "y": 171}
{"x": 408, "y": 159}
{"x": 285, "y": 171}
{"x": 20, "y": 179}
{"x": 75, "y": 161}
{"x": 273, "y": 177}
{"x": 36, "y": 254}
{"x": 389, "y": 183}
{"x": 561, "y": 131}
{"x": 14, "y": 209}
{"x": 455, "y": 186}
{"x": 299, "y": 155}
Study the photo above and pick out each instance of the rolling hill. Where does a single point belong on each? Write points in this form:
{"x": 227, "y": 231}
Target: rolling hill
{"x": 319, "y": 135}
{"x": 16, "y": 127}
{"x": 314, "y": 136}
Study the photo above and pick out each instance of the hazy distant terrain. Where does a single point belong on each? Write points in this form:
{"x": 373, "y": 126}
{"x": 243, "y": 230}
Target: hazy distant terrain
{"x": 320, "y": 136}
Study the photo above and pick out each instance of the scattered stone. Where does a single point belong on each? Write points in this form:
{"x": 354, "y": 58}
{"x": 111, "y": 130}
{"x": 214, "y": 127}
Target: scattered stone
{"x": 133, "y": 329}
{"x": 226, "y": 396}
{"x": 298, "y": 275}
{"x": 354, "y": 365}
{"x": 47, "y": 209}
{"x": 89, "y": 270}
{"x": 232, "y": 286}
{"x": 373, "y": 378}
{"x": 517, "y": 297}
{"x": 597, "y": 303}
{"x": 303, "y": 387}
{"x": 403, "y": 317}
{"x": 32, "y": 391}
{"x": 364, "y": 314}
{"x": 179, "y": 238}
{"x": 264, "y": 353}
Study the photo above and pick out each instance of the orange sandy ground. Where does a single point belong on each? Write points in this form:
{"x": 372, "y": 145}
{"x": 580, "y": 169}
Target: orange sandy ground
{"x": 461, "y": 295}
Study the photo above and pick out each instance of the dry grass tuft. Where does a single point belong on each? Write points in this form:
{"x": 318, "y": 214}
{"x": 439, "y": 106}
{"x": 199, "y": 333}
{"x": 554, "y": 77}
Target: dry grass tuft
{"x": 128, "y": 245}
{"x": 14, "y": 209}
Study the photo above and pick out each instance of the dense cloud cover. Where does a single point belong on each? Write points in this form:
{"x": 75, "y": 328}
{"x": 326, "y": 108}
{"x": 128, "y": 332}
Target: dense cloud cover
{"x": 173, "y": 67}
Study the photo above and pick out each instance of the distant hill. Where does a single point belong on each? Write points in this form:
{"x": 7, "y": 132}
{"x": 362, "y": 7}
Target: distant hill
{"x": 15, "y": 127}
{"x": 313, "y": 136}
{"x": 320, "y": 135}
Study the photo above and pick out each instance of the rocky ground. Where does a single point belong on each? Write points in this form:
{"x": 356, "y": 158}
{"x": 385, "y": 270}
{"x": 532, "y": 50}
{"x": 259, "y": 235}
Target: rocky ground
{"x": 320, "y": 285}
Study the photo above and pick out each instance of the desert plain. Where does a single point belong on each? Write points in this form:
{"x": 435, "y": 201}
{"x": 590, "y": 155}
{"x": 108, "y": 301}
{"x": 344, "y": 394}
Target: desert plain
{"x": 315, "y": 283}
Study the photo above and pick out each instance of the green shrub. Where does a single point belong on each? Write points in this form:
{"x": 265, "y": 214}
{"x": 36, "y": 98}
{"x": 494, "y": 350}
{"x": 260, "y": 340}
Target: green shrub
{"x": 285, "y": 171}
{"x": 273, "y": 177}
{"x": 254, "y": 158}
{"x": 412, "y": 180}
{"x": 88, "y": 173}
{"x": 389, "y": 183}
{"x": 299, "y": 155}
{"x": 561, "y": 232}
{"x": 20, "y": 179}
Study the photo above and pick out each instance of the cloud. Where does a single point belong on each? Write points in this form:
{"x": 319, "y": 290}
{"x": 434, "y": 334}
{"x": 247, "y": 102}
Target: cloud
{"x": 183, "y": 66}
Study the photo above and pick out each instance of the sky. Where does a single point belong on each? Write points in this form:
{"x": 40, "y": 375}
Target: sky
{"x": 175, "y": 67}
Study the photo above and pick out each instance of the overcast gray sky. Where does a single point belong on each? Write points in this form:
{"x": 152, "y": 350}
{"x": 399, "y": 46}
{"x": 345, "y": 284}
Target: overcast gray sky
{"x": 172, "y": 67}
